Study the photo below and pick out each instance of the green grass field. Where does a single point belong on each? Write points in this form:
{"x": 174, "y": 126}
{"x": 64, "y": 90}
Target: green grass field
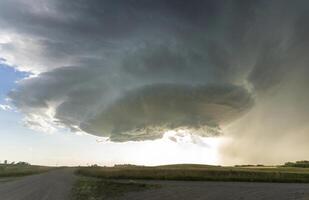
{"x": 199, "y": 173}
{"x": 20, "y": 170}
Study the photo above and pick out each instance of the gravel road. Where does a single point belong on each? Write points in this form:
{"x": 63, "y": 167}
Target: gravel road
{"x": 54, "y": 185}
{"x": 191, "y": 190}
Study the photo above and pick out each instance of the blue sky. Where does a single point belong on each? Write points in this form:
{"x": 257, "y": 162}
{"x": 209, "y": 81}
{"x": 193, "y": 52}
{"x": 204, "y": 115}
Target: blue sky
{"x": 9, "y": 76}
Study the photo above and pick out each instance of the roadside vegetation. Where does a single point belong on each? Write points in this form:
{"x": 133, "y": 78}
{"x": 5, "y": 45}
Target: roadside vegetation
{"x": 20, "y": 169}
{"x": 200, "y": 172}
{"x": 99, "y": 189}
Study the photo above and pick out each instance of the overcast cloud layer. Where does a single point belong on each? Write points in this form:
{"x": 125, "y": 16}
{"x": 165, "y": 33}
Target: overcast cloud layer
{"x": 130, "y": 70}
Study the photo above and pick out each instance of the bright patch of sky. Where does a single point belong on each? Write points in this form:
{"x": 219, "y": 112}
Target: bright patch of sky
{"x": 8, "y": 78}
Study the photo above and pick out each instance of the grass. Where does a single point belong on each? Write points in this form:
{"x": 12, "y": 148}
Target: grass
{"x": 99, "y": 189}
{"x": 7, "y": 171}
{"x": 200, "y": 173}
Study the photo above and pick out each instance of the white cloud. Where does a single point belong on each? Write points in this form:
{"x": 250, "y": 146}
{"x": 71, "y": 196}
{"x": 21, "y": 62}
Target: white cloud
{"x": 5, "y": 107}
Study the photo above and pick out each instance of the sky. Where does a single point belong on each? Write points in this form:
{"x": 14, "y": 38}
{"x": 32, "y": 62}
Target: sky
{"x": 154, "y": 82}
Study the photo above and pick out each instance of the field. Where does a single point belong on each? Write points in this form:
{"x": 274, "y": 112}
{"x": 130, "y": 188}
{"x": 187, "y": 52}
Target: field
{"x": 153, "y": 183}
{"x": 200, "y": 173}
{"x": 7, "y": 171}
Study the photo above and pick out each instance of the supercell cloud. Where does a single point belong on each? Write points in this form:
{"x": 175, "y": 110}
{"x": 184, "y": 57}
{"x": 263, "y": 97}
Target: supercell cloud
{"x": 131, "y": 70}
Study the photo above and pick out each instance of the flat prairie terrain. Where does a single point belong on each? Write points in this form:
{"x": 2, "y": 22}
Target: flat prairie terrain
{"x": 170, "y": 182}
{"x": 200, "y": 173}
{"x": 203, "y": 190}
{"x": 195, "y": 182}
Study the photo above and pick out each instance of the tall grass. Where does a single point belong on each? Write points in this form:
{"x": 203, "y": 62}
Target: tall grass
{"x": 199, "y": 173}
{"x": 21, "y": 170}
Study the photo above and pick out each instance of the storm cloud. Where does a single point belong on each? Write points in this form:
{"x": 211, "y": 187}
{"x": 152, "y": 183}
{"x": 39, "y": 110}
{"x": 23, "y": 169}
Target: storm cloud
{"x": 131, "y": 70}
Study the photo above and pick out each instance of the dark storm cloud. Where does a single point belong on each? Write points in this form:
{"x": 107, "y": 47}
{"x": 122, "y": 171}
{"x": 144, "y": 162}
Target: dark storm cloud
{"x": 68, "y": 32}
{"x": 127, "y": 107}
{"x": 147, "y": 112}
{"x": 132, "y": 69}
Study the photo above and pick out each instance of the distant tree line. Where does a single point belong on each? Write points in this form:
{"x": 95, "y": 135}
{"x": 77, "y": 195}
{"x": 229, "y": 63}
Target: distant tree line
{"x": 5, "y": 162}
{"x": 302, "y": 163}
{"x": 258, "y": 165}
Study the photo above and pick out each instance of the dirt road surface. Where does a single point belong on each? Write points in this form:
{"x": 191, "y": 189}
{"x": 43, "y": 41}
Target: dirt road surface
{"x": 191, "y": 190}
{"x": 54, "y": 185}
